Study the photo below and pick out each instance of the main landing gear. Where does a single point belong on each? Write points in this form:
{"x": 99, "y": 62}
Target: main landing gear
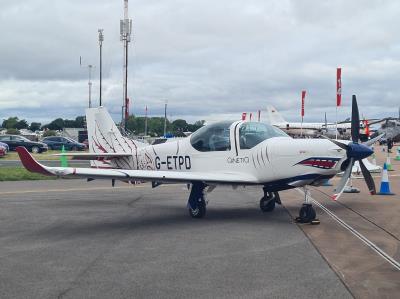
{"x": 307, "y": 213}
{"x": 196, "y": 203}
{"x": 268, "y": 201}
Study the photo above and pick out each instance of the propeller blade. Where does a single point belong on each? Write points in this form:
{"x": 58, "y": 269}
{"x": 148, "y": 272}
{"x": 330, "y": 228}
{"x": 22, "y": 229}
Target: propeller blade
{"x": 373, "y": 140}
{"x": 368, "y": 178}
{"x": 339, "y": 144}
{"x": 346, "y": 175}
{"x": 355, "y": 121}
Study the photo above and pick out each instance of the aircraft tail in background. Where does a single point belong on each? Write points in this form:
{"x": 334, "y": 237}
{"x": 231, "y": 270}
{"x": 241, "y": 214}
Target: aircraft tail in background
{"x": 273, "y": 116}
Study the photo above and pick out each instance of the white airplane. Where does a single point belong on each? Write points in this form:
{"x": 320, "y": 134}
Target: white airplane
{"x": 308, "y": 129}
{"x": 226, "y": 153}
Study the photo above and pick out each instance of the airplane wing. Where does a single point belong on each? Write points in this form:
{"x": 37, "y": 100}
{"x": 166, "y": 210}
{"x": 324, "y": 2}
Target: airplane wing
{"x": 126, "y": 174}
{"x": 93, "y": 156}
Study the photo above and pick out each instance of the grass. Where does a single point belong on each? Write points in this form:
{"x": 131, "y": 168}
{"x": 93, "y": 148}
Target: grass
{"x": 21, "y": 174}
{"x": 43, "y": 156}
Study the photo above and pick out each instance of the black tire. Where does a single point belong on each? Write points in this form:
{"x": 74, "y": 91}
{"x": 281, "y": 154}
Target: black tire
{"x": 307, "y": 213}
{"x": 35, "y": 149}
{"x": 199, "y": 211}
{"x": 267, "y": 204}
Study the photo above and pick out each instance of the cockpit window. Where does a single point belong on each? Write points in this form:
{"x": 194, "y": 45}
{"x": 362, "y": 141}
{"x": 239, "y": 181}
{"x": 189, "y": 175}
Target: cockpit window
{"x": 214, "y": 137}
{"x": 252, "y": 133}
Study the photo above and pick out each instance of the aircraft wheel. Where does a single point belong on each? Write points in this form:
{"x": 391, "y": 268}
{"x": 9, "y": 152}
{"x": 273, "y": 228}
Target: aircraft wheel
{"x": 199, "y": 211}
{"x": 35, "y": 150}
{"x": 267, "y": 204}
{"x": 307, "y": 213}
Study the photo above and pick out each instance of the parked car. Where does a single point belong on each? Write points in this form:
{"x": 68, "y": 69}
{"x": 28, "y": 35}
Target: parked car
{"x": 56, "y": 143}
{"x": 5, "y": 145}
{"x": 3, "y": 150}
{"x": 13, "y": 141}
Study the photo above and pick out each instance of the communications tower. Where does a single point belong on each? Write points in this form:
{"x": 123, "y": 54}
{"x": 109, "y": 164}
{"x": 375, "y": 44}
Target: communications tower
{"x": 125, "y": 31}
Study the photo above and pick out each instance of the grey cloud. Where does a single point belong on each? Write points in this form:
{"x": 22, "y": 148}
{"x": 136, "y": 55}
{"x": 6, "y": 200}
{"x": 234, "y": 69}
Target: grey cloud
{"x": 205, "y": 57}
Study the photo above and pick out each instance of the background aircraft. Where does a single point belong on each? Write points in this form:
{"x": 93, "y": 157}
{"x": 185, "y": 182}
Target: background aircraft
{"x": 390, "y": 127}
{"x": 308, "y": 129}
{"x": 226, "y": 153}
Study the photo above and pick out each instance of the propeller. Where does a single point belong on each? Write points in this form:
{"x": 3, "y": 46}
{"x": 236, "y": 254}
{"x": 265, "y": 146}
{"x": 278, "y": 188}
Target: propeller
{"x": 355, "y": 152}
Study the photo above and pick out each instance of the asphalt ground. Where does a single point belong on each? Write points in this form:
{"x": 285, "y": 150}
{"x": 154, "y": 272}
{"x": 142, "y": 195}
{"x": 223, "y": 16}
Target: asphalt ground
{"x": 72, "y": 239}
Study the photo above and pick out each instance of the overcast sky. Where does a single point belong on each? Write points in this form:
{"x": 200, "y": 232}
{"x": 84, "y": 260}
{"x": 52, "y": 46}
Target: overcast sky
{"x": 209, "y": 59}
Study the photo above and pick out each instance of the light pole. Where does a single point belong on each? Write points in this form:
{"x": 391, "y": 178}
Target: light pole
{"x": 165, "y": 118}
{"x": 101, "y": 39}
{"x": 90, "y": 85}
{"x": 145, "y": 123}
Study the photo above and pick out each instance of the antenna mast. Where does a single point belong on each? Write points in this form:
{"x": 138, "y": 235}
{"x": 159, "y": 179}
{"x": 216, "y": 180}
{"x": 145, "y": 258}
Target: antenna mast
{"x": 125, "y": 31}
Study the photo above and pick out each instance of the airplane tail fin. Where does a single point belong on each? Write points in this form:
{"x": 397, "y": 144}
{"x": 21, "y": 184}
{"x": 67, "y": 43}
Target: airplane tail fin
{"x": 274, "y": 116}
{"x": 104, "y": 136}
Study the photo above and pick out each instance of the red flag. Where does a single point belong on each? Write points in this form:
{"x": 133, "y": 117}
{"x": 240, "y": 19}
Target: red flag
{"x": 338, "y": 86}
{"x": 244, "y": 114}
{"x": 303, "y": 95}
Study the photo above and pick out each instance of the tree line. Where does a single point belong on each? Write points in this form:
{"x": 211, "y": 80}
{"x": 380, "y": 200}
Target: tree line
{"x": 155, "y": 125}
{"x": 57, "y": 124}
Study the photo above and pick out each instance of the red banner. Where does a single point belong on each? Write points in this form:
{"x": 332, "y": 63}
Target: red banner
{"x": 303, "y": 95}
{"x": 338, "y": 86}
{"x": 244, "y": 114}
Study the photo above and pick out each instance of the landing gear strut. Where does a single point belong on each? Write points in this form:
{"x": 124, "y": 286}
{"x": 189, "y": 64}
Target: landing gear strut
{"x": 196, "y": 203}
{"x": 307, "y": 213}
{"x": 268, "y": 201}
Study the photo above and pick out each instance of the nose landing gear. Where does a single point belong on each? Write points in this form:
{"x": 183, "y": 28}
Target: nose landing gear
{"x": 307, "y": 213}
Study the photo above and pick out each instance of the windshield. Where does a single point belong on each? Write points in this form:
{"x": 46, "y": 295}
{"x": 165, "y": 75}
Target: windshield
{"x": 252, "y": 133}
{"x": 70, "y": 139}
{"x": 214, "y": 137}
{"x": 20, "y": 138}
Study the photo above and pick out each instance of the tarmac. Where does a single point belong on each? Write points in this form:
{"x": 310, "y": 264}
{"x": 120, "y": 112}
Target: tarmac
{"x": 73, "y": 239}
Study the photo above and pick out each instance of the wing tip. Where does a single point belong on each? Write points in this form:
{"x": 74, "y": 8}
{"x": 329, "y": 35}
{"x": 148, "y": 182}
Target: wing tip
{"x": 29, "y": 162}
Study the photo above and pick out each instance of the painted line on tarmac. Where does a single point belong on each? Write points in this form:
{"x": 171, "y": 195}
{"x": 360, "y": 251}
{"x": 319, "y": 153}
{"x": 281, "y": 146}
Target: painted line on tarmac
{"x": 364, "y": 239}
{"x": 71, "y": 189}
{"x": 80, "y": 189}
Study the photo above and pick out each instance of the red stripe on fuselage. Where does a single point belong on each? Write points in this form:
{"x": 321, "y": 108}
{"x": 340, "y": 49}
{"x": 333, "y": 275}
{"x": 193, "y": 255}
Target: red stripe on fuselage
{"x": 319, "y": 163}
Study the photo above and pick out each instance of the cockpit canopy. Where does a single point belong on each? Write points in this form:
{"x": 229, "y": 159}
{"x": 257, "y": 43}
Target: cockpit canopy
{"x": 252, "y": 133}
{"x": 216, "y": 137}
